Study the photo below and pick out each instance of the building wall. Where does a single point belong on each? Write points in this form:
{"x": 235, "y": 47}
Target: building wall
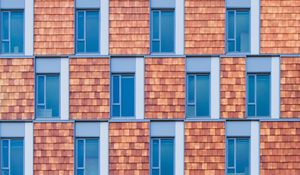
{"x": 89, "y": 88}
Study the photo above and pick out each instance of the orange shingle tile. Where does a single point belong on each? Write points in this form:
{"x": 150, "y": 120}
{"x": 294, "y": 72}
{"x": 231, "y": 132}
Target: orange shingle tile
{"x": 164, "y": 88}
{"x": 204, "y": 148}
{"x": 16, "y": 89}
{"x": 89, "y": 88}
{"x": 233, "y": 87}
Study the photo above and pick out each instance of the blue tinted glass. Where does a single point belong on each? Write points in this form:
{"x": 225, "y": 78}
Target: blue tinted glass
{"x": 155, "y": 171}
{"x": 230, "y": 153}
{"x": 5, "y": 47}
{"x": 80, "y": 172}
{"x": 230, "y": 171}
{"x": 242, "y": 156}
{"x": 17, "y": 32}
{"x": 242, "y": 31}
{"x": 191, "y": 89}
{"x": 16, "y": 157}
{"x": 155, "y": 153}
{"x": 5, "y": 172}
{"x": 155, "y": 25}
{"x": 80, "y": 23}
{"x": 202, "y": 95}
{"x": 251, "y": 110}
{"x": 92, "y": 157}
{"x": 230, "y": 24}
{"x": 5, "y": 153}
{"x": 52, "y": 94}
{"x": 5, "y": 25}
{"x": 251, "y": 89}
{"x": 231, "y": 46}
{"x": 190, "y": 112}
{"x": 155, "y": 46}
{"x": 167, "y": 156}
{"x": 127, "y": 99}
{"x": 40, "y": 80}
{"x": 92, "y": 31}
{"x": 167, "y": 31}
{"x": 80, "y": 46}
{"x": 80, "y": 153}
{"x": 263, "y": 95}
{"x": 116, "y": 89}
{"x": 116, "y": 110}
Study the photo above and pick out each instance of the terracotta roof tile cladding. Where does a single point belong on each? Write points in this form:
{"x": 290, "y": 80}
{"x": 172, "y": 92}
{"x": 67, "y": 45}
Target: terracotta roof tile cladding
{"x": 129, "y": 26}
{"x": 53, "y": 148}
{"x": 204, "y": 148}
{"x": 233, "y": 87}
{"x": 129, "y": 148}
{"x": 204, "y": 27}
{"x": 89, "y": 88}
{"x": 53, "y": 27}
{"x": 280, "y": 148}
{"x": 290, "y": 87}
{"x": 16, "y": 89}
{"x": 164, "y": 88}
{"x": 280, "y": 20}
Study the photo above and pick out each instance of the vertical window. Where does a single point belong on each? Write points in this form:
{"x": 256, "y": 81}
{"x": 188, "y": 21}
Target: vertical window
{"x": 198, "y": 94}
{"x": 87, "y": 35}
{"x": 12, "y": 157}
{"x": 258, "y": 95}
{"x": 162, "y": 30}
{"x": 87, "y": 156}
{"x": 162, "y": 156}
{"x": 47, "y": 94}
{"x": 12, "y": 31}
{"x": 123, "y": 95}
{"x": 238, "y": 156}
{"x": 238, "y": 30}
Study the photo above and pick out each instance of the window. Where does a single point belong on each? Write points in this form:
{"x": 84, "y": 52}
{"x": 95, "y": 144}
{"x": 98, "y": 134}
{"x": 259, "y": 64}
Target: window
{"x": 87, "y": 156}
{"x": 238, "y": 30}
{"x": 47, "y": 103}
{"x": 12, "y": 156}
{"x": 238, "y": 156}
{"x": 198, "y": 90}
{"x": 162, "y": 156}
{"x": 123, "y": 95}
{"x": 258, "y": 95}
{"x": 162, "y": 30}
{"x": 12, "y": 31}
{"x": 87, "y": 36}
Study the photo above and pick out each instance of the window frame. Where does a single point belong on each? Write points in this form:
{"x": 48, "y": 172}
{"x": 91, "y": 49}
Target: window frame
{"x": 159, "y": 33}
{"x": 255, "y": 93}
{"x": 195, "y": 94}
{"x": 227, "y": 30}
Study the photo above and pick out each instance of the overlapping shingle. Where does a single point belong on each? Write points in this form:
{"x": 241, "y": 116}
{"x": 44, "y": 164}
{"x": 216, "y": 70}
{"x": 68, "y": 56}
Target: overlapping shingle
{"x": 53, "y": 148}
{"x": 204, "y": 148}
{"x": 89, "y": 88}
{"x": 164, "y": 88}
{"x": 129, "y": 148}
{"x": 16, "y": 89}
{"x": 233, "y": 87}
{"x": 54, "y": 27}
{"x": 280, "y": 148}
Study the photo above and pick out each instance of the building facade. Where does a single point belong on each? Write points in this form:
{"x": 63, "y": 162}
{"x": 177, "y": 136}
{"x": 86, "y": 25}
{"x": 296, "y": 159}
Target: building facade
{"x": 138, "y": 87}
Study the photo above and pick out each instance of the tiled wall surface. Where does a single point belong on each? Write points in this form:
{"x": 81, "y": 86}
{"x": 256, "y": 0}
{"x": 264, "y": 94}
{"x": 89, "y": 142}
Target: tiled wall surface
{"x": 16, "y": 89}
{"x": 164, "y": 88}
{"x": 89, "y": 88}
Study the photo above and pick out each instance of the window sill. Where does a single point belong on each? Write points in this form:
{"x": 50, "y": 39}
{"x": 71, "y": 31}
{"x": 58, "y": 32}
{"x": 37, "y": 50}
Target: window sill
{"x": 165, "y": 55}
{"x": 89, "y": 55}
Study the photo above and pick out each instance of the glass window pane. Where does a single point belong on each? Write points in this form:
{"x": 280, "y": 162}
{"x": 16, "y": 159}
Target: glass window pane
{"x": 127, "y": 99}
{"x": 52, "y": 94}
{"x": 231, "y": 46}
{"x": 116, "y": 89}
{"x": 116, "y": 110}
{"x": 167, "y": 31}
{"x": 155, "y": 46}
{"x": 80, "y": 153}
{"x": 230, "y": 171}
{"x": 17, "y": 32}
{"x": 80, "y": 23}
{"x": 242, "y": 31}
{"x": 41, "y": 82}
{"x": 191, "y": 89}
{"x": 5, "y": 25}
{"x": 190, "y": 112}
{"x": 155, "y": 153}
{"x": 230, "y": 24}
{"x": 92, "y": 31}
{"x": 251, "y": 89}
{"x": 242, "y": 156}
{"x": 230, "y": 153}
{"x": 92, "y": 157}
{"x": 5, "y": 172}
{"x": 202, "y": 86}
{"x": 80, "y": 46}
{"x": 263, "y": 95}
{"x": 251, "y": 110}
{"x": 16, "y": 157}
{"x": 5, "y": 144}
{"x": 155, "y": 171}
{"x": 80, "y": 172}
{"x": 155, "y": 25}
{"x": 167, "y": 156}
